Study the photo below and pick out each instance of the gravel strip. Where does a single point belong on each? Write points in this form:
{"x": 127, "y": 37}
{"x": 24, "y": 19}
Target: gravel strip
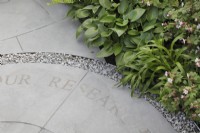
{"x": 178, "y": 121}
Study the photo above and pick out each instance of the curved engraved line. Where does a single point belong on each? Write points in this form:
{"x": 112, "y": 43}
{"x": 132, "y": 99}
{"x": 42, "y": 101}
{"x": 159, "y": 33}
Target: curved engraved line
{"x": 26, "y": 123}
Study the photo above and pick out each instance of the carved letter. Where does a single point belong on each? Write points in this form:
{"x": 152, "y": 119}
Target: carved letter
{"x": 69, "y": 83}
{"x": 104, "y": 100}
{"x": 146, "y": 131}
{"x": 54, "y": 82}
{"x": 114, "y": 110}
{"x": 24, "y": 78}
{"x": 11, "y": 83}
{"x": 93, "y": 94}
{"x": 83, "y": 87}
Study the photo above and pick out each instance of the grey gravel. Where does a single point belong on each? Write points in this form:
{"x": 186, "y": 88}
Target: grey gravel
{"x": 178, "y": 121}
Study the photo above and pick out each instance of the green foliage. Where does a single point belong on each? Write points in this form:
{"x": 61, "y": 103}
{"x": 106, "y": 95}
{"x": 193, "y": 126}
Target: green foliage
{"x": 182, "y": 94}
{"x": 148, "y": 38}
{"x": 141, "y": 67}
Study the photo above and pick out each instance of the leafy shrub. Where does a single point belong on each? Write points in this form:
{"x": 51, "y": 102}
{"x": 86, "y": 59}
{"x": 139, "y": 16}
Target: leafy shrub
{"x": 148, "y": 38}
{"x": 181, "y": 92}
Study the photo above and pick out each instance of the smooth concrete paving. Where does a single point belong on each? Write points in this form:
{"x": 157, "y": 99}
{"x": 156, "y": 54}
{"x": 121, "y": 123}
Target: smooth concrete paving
{"x": 63, "y": 99}
{"x": 38, "y": 27}
{"x": 46, "y": 98}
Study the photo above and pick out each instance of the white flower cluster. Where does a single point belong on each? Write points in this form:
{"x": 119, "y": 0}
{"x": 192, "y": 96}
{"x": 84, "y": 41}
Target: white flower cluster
{"x": 169, "y": 80}
{"x": 197, "y": 62}
{"x": 198, "y": 27}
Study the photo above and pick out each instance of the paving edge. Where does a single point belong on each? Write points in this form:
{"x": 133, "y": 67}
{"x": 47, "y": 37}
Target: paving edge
{"x": 178, "y": 120}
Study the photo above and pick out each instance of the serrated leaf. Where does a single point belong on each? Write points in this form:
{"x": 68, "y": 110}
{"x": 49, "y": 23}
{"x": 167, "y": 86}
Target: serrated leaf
{"x": 105, "y": 3}
{"x": 135, "y": 14}
{"x": 123, "y": 6}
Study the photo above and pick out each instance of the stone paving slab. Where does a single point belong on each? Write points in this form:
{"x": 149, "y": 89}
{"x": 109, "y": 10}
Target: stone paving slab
{"x": 40, "y": 28}
{"x": 70, "y": 100}
{"x": 32, "y": 92}
{"x": 10, "y": 46}
{"x": 56, "y": 12}
{"x": 97, "y": 106}
{"x": 17, "y": 128}
{"x": 59, "y": 37}
{"x": 21, "y": 16}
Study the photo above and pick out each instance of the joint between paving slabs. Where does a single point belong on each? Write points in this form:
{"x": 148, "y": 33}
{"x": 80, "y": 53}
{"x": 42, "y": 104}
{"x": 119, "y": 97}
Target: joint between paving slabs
{"x": 19, "y": 44}
{"x": 67, "y": 97}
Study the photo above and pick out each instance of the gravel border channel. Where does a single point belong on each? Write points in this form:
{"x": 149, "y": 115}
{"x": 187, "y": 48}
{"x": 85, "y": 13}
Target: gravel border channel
{"x": 178, "y": 121}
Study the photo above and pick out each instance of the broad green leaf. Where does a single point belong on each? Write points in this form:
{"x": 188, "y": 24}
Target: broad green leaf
{"x": 91, "y": 32}
{"x": 79, "y": 31}
{"x": 89, "y": 7}
{"x": 123, "y": 6}
{"x": 88, "y": 23}
{"x": 105, "y": 3}
{"x": 95, "y": 9}
{"x": 82, "y": 13}
{"x": 108, "y": 19}
{"x": 71, "y": 13}
{"x": 135, "y": 14}
{"x": 106, "y": 33}
{"x": 119, "y": 59}
{"x": 159, "y": 29}
{"x": 137, "y": 40}
{"x": 148, "y": 27}
{"x": 92, "y": 39}
{"x": 105, "y": 52}
{"x": 152, "y": 14}
{"x": 99, "y": 42}
{"x": 133, "y": 32}
{"x": 120, "y": 30}
{"x": 117, "y": 48}
{"x": 122, "y": 23}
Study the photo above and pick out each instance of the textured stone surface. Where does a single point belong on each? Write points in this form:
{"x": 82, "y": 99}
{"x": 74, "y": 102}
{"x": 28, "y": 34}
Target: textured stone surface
{"x": 21, "y": 16}
{"x": 66, "y": 99}
{"x": 59, "y": 37}
{"x": 10, "y": 46}
{"x": 32, "y": 92}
